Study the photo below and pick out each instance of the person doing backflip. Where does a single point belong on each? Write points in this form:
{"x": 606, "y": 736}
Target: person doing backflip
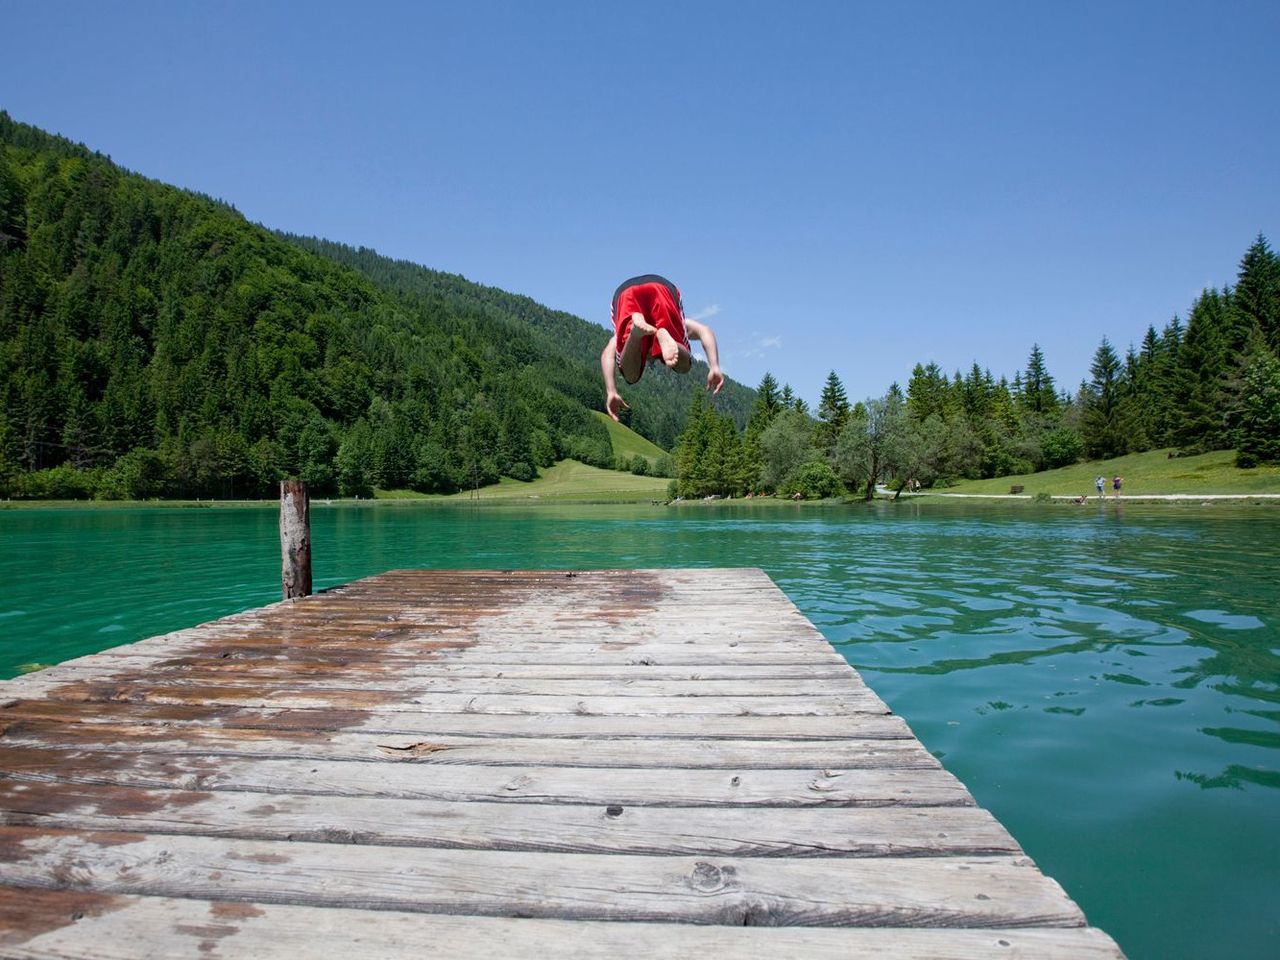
{"x": 649, "y": 324}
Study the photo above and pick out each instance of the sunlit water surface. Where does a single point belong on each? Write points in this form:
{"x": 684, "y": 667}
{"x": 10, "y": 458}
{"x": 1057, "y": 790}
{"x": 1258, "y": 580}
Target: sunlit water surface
{"x": 1106, "y": 680}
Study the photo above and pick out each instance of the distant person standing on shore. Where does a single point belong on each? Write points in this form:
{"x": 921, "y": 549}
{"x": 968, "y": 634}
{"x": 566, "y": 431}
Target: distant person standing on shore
{"x": 1115, "y": 484}
{"x": 1101, "y": 484}
{"x": 650, "y": 305}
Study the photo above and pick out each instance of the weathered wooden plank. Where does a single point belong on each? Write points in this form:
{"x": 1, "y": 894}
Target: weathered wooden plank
{"x": 72, "y": 925}
{"x": 534, "y": 626}
{"x": 305, "y": 664}
{"x": 505, "y": 604}
{"x": 710, "y": 727}
{"x": 425, "y": 585}
{"x": 520, "y": 616}
{"x": 255, "y": 674}
{"x": 527, "y": 622}
{"x": 405, "y": 639}
{"x": 590, "y": 785}
{"x": 127, "y": 659}
{"x": 536, "y": 751}
{"x": 921, "y": 891}
{"x": 574, "y": 658}
{"x": 518, "y": 608}
{"x": 499, "y": 600}
{"x": 487, "y": 662}
{"x": 391, "y": 697}
{"x": 574, "y": 828}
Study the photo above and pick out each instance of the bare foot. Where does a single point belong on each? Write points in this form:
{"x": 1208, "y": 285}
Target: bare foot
{"x": 638, "y": 322}
{"x": 670, "y": 349}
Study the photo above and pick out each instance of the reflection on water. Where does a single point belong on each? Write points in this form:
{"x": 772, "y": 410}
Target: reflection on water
{"x": 1106, "y": 681}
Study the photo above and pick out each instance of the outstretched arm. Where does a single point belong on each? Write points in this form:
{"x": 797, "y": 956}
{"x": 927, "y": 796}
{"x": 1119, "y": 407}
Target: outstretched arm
{"x": 700, "y": 331}
{"x": 613, "y": 401}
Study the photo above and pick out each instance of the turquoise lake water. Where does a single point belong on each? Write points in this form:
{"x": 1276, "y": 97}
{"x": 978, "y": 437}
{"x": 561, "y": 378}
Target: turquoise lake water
{"x": 1104, "y": 679}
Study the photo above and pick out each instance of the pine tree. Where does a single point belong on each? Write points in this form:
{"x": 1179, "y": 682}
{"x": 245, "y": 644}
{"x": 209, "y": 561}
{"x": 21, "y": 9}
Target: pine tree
{"x": 1200, "y": 380}
{"x": 1163, "y": 382}
{"x": 1147, "y": 398}
{"x": 1150, "y": 345}
{"x": 1136, "y": 410}
{"x": 1001, "y": 407}
{"x": 1039, "y": 395}
{"x": 928, "y": 393}
{"x": 722, "y": 458}
{"x": 1101, "y": 422}
{"x": 767, "y": 406}
{"x": 975, "y": 393}
{"x": 692, "y": 465}
{"x": 1257, "y": 291}
{"x": 833, "y": 411}
{"x": 768, "y": 402}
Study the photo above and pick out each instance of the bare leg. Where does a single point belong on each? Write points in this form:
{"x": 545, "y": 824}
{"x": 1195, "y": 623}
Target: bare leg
{"x": 633, "y": 359}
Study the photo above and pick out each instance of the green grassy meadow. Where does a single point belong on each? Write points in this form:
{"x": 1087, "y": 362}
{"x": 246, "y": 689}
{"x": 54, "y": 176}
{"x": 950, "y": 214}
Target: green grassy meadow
{"x": 1151, "y": 473}
{"x": 627, "y": 443}
{"x": 568, "y": 480}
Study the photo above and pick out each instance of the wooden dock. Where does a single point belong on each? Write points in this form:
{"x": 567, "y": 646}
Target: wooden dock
{"x": 662, "y": 763}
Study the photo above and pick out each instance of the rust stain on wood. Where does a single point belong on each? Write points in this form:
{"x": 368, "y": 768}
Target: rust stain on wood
{"x": 263, "y": 858}
{"x": 223, "y": 910}
{"x": 25, "y": 914}
{"x": 29, "y": 800}
{"x": 112, "y": 838}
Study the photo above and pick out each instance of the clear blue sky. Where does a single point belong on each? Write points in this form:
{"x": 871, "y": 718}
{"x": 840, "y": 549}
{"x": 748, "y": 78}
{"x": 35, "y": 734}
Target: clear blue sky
{"x": 834, "y": 185}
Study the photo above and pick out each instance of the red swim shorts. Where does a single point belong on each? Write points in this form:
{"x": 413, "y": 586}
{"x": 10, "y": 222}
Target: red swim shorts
{"x": 654, "y": 300}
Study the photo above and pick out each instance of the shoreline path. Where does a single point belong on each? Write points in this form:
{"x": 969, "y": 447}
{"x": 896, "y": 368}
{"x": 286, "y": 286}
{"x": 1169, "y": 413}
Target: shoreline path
{"x": 1127, "y": 496}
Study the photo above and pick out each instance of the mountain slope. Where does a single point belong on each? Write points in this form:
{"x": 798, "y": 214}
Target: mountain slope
{"x": 155, "y": 343}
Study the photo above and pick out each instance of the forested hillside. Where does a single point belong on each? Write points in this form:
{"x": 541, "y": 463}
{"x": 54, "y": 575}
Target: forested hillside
{"x": 155, "y": 343}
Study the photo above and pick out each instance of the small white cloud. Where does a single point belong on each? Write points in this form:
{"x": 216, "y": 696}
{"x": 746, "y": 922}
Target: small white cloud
{"x": 756, "y": 345}
{"x": 705, "y": 312}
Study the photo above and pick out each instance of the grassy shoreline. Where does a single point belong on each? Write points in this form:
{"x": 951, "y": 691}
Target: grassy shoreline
{"x": 566, "y": 482}
{"x": 1152, "y": 477}
{"x": 1154, "y": 473}
{"x": 927, "y": 498}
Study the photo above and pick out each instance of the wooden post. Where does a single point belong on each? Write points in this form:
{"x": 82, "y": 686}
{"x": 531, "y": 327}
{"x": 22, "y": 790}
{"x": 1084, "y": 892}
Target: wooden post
{"x": 295, "y": 539}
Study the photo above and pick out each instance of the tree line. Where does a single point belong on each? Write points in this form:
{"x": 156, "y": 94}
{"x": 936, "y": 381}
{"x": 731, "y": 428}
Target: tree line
{"x": 1209, "y": 383}
{"x": 154, "y": 343}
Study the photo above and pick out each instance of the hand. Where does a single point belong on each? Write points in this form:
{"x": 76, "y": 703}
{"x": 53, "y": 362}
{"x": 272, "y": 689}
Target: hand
{"x": 614, "y": 404}
{"x": 715, "y": 380}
